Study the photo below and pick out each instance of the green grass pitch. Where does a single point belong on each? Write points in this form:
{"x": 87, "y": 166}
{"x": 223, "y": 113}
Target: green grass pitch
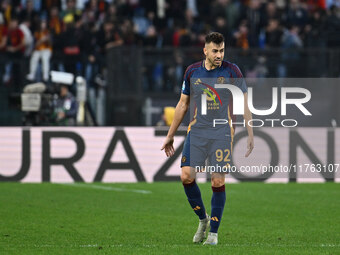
{"x": 116, "y": 219}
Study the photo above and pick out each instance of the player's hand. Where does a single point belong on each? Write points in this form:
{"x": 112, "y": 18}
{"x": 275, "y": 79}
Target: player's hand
{"x": 168, "y": 146}
{"x": 250, "y": 145}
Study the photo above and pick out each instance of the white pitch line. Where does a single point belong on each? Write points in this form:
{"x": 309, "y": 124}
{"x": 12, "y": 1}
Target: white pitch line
{"x": 184, "y": 245}
{"x": 88, "y": 245}
{"x": 93, "y": 186}
{"x": 237, "y": 245}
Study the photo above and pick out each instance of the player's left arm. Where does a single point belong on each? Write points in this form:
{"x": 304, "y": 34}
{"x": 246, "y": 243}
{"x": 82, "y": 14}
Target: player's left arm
{"x": 247, "y": 116}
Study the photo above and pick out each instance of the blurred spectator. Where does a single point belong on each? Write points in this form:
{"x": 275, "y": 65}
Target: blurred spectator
{"x": 175, "y": 73}
{"x": 80, "y": 4}
{"x": 95, "y": 11}
{"x": 178, "y": 22}
{"x": 70, "y": 46}
{"x": 186, "y": 38}
{"x": 222, "y": 27}
{"x": 15, "y": 48}
{"x": 36, "y": 4}
{"x": 315, "y": 30}
{"x": 55, "y": 25}
{"x": 150, "y": 38}
{"x": 3, "y": 32}
{"x": 92, "y": 61}
{"x": 142, "y": 23}
{"x": 273, "y": 34}
{"x": 200, "y": 42}
{"x": 290, "y": 42}
{"x": 175, "y": 10}
{"x": 149, "y": 5}
{"x": 29, "y": 13}
{"x": 181, "y": 35}
{"x": 3, "y": 40}
{"x": 28, "y": 37}
{"x": 291, "y": 38}
{"x": 111, "y": 13}
{"x": 123, "y": 9}
{"x": 233, "y": 14}
{"x": 88, "y": 46}
{"x": 49, "y": 4}
{"x": 314, "y": 5}
{"x": 108, "y": 37}
{"x": 296, "y": 15}
{"x": 65, "y": 108}
{"x": 219, "y": 8}
{"x": 42, "y": 51}
{"x": 70, "y": 14}
{"x": 6, "y": 10}
{"x": 82, "y": 31}
{"x": 333, "y": 27}
{"x": 194, "y": 24}
{"x": 252, "y": 15}
{"x": 204, "y": 8}
{"x": 271, "y": 12}
{"x": 192, "y": 7}
{"x": 241, "y": 36}
{"x": 330, "y": 3}
{"x": 128, "y": 33}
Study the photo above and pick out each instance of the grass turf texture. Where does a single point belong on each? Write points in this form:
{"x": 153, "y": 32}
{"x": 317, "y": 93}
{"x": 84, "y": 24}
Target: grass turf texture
{"x": 82, "y": 219}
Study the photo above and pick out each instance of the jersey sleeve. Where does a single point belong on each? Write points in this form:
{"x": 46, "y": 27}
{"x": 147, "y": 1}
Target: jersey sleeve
{"x": 186, "y": 82}
{"x": 240, "y": 81}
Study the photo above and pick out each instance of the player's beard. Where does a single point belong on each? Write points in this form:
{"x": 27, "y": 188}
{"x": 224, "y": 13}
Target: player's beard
{"x": 217, "y": 62}
{"x": 214, "y": 63}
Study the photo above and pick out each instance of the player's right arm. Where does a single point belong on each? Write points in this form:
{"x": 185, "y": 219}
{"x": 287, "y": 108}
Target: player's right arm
{"x": 181, "y": 109}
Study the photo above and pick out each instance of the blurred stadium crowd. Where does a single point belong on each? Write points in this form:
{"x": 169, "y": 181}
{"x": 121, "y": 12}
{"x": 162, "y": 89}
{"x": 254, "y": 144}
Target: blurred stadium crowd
{"x": 74, "y": 35}
{"x": 77, "y": 36}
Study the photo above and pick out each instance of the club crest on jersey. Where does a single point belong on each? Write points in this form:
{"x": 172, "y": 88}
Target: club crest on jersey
{"x": 184, "y": 159}
{"x": 221, "y": 80}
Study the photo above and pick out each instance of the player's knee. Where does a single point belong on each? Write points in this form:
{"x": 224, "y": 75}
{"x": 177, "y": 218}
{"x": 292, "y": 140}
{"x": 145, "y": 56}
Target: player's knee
{"x": 217, "y": 182}
{"x": 186, "y": 178}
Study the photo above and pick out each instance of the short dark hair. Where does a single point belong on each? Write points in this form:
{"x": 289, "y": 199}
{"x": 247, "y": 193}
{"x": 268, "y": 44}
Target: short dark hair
{"x": 214, "y": 37}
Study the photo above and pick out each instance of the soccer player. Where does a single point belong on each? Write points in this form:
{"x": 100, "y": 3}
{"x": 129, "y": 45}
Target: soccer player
{"x": 204, "y": 141}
